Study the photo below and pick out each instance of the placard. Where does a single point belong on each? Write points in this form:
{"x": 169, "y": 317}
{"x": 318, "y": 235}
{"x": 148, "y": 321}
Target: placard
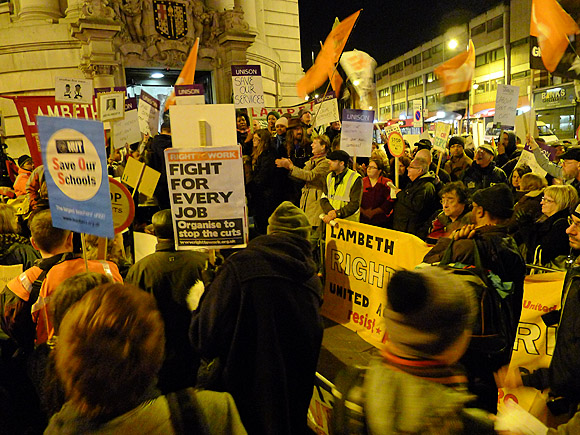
{"x": 77, "y": 180}
{"x": 126, "y": 131}
{"x": 247, "y": 86}
{"x": 111, "y": 106}
{"x": 73, "y": 90}
{"x": 326, "y": 111}
{"x": 396, "y": 144}
{"x": 388, "y": 129}
{"x": 206, "y": 190}
{"x": 185, "y": 124}
{"x": 357, "y": 132}
{"x": 441, "y": 134}
{"x": 132, "y": 173}
{"x": 148, "y": 114}
{"x": 149, "y": 181}
{"x": 122, "y": 204}
{"x": 189, "y": 94}
{"x": 506, "y": 103}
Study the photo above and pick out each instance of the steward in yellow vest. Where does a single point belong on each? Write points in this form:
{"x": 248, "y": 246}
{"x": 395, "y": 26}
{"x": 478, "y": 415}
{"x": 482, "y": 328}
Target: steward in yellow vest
{"x": 342, "y": 191}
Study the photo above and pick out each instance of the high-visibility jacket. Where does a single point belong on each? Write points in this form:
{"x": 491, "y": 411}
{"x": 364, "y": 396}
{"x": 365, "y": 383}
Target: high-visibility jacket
{"x": 339, "y": 196}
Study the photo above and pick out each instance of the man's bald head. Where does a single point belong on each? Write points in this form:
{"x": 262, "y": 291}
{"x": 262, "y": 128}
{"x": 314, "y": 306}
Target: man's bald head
{"x": 425, "y": 155}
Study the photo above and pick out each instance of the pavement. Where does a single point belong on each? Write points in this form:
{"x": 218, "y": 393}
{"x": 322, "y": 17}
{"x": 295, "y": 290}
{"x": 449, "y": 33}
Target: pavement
{"x": 342, "y": 347}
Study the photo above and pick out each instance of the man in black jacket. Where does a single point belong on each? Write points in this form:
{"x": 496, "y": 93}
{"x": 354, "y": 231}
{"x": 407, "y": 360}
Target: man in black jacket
{"x": 259, "y": 324}
{"x": 157, "y": 161}
{"x": 483, "y": 172}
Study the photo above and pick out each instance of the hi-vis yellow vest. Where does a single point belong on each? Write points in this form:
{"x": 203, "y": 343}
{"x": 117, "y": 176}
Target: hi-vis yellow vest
{"x": 340, "y": 196}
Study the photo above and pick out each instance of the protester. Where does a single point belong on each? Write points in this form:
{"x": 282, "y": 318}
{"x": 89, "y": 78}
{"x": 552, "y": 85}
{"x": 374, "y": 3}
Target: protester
{"x": 25, "y": 166}
{"x": 258, "y": 325}
{"x": 157, "y": 161}
{"x": 404, "y": 163}
{"x": 455, "y": 212}
{"x": 36, "y": 189}
{"x": 506, "y": 148}
{"x": 174, "y": 278}
{"x": 441, "y": 176}
{"x": 244, "y": 134}
{"x": 491, "y": 207}
{"x": 546, "y": 238}
{"x": 271, "y": 118}
{"x": 107, "y": 356}
{"x": 333, "y": 130}
{"x": 342, "y": 192}
{"x": 305, "y": 117}
{"x": 529, "y": 207}
{"x": 483, "y": 172}
{"x": 416, "y": 386}
{"x": 561, "y": 377}
{"x": 515, "y": 179}
{"x": 376, "y": 204}
{"x": 417, "y": 202}
{"x": 25, "y": 301}
{"x": 298, "y": 145}
{"x": 280, "y": 138}
{"x": 14, "y": 249}
{"x": 459, "y": 161}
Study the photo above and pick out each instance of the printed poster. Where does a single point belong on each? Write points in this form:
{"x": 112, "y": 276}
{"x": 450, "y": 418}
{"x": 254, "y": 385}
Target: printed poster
{"x": 357, "y": 132}
{"x": 148, "y": 113}
{"x": 189, "y": 94}
{"x": 76, "y": 175}
{"x": 206, "y": 189}
{"x": 73, "y": 90}
{"x": 360, "y": 261}
{"x": 441, "y": 135}
{"x": 247, "y": 86}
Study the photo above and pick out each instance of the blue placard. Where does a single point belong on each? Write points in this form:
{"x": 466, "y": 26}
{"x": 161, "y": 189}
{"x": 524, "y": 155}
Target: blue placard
{"x": 76, "y": 174}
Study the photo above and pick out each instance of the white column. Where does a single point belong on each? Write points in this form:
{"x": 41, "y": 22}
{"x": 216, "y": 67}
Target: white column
{"x": 39, "y": 9}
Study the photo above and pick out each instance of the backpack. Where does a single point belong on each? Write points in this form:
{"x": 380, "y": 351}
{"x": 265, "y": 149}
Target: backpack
{"x": 493, "y": 335}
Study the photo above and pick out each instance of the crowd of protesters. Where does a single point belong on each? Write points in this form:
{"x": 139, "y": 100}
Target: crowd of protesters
{"x": 182, "y": 342}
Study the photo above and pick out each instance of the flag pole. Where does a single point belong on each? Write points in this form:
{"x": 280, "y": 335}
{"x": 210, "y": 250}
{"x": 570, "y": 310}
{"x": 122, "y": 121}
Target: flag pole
{"x": 337, "y": 62}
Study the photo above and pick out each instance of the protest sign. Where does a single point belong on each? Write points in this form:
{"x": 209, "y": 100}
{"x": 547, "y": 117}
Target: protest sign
{"x": 111, "y": 106}
{"x": 206, "y": 189}
{"x": 122, "y": 206}
{"x": 189, "y": 94}
{"x": 478, "y": 133}
{"x": 360, "y": 261}
{"x": 126, "y": 131}
{"x": 186, "y": 130}
{"x": 418, "y": 113}
{"x": 247, "y": 86}
{"x": 357, "y": 132}
{"x": 149, "y": 181}
{"x": 396, "y": 144}
{"x": 148, "y": 114}
{"x": 441, "y": 134}
{"x": 8, "y": 273}
{"x": 76, "y": 175}
{"x": 527, "y": 158}
{"x": 526, "y": 123}
{"x": 133, "y": 171}
{"x": 319, "y": 416}
{"x": 326, "y": 111}
{"x": 534, "y": 344}
{"x": 388, "y": 129}
{"x": 68, "y": 89}
{"x": 144, "y": 245}
{"x": 110, "y": 89}
{"x": 506, "y": 103}
{"x": 29, "y": 107}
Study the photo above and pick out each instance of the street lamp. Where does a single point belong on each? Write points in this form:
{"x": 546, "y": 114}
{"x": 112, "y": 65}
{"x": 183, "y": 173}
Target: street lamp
{"x": 452, "y": 44}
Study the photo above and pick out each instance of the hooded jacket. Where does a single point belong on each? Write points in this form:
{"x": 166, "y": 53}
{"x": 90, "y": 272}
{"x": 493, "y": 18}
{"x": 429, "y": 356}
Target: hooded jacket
{"x": 260, "y": 317}
{"x": 415, "y": 204}
{"x": 475, "y": 177}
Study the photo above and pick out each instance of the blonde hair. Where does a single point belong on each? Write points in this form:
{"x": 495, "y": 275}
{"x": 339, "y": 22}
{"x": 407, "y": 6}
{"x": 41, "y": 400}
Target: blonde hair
{"x": 565, "y": 196}
{"x": 7, "y": 219}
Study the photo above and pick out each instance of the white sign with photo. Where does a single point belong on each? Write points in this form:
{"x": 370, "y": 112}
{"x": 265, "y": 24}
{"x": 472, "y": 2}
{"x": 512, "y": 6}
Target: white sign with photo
{"x": 73, "y": 90}
{"x": 111, "y": 106}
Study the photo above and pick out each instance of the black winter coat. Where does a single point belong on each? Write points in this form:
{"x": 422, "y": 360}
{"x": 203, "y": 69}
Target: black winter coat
{"x": 414, "y": 206}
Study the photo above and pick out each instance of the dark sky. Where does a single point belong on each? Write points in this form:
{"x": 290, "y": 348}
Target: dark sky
{"x": 386, "y": 28}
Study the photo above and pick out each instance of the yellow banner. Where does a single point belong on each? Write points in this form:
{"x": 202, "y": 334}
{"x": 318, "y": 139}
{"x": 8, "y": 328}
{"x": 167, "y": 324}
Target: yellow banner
{"x": 534, "y": 344}
{"x": 360, "y": 260}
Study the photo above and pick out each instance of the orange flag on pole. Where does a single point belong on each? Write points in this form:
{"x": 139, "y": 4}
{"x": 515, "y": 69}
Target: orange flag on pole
{"x": 187, "y": 73}
{"x": 457, "y": 74}
{"x": 334, "y": 77}
{"x": 328, "y": 56}
{"x": 551, "y": 25}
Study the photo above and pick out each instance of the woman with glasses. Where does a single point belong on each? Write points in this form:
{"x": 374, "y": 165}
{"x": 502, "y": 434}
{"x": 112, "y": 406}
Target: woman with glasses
{"x": 546, "y": 239}
{"x": 376, "y": 204}
{"x": 453, "y": 215}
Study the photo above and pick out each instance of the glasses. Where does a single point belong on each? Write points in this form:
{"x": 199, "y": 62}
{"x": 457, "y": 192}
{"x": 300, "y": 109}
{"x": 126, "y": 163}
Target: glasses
{"x": 547, "y": 200}
{"x": 571, "y": 222}
{"x": 414, "y": 167}
{"x": 448, "y": 200}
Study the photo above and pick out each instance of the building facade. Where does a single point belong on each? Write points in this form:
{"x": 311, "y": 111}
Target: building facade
{"x": 118, "y": 42}
{"x": 502, "y": 46}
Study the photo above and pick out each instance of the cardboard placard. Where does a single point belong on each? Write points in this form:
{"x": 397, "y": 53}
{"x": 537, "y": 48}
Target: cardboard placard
{"x": 357, "y": 132}
{"x": 126, "y": 131}
{"x": 185, "y": 127}
{"x": 247, "y": 86}
{"x": 69, "y": 90}
{"x": 506, "y": 103}
{"x": 148, "y": 113}
{"x": 149, "y": 181}
{"x": 122, "y": 205}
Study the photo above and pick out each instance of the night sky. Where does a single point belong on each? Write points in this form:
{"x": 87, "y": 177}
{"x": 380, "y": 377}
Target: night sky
{"x": 386, "y": 28}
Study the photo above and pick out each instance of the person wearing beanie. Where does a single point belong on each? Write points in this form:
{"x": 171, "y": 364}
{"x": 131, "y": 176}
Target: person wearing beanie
{"x": 483, "y": 172}
{"x": 342, "y": 192}
{"x": 417, "y": 386}
{"x": 498, "y": 252}
{"x": 459, "y": 161}
{"x": 175, "y": 279}
{"x": 259, "y": 324}
{"x": 25, "y": 167}
{"x": 281, "y": 126}
{"x": 271, "y": 118}
{"x": 305, "y": 117}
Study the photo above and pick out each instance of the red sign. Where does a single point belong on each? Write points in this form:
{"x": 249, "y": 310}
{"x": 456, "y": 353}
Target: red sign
{"x": 30, "y": 106}
{"x": 122, "y": 205}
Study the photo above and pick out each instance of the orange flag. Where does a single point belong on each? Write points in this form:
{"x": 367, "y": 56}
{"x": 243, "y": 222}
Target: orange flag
{"x": 551, "y": 25}
{"x": 457, "y": 72}
{"x": 187, "y": 73}
{"x": 334, "y": 77}
{"x": 328, "y": 56}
